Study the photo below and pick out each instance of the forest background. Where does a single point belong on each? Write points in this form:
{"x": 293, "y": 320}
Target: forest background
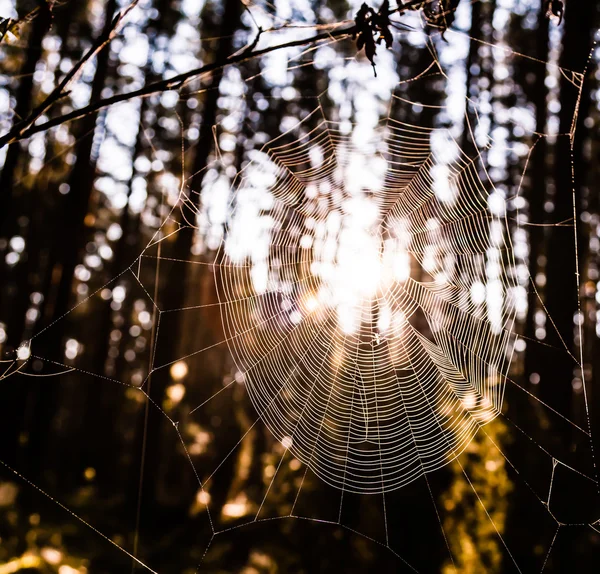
{"x": 83, "y": 194}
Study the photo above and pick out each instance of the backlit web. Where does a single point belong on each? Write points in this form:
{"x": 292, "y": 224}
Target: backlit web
{"x": 354, "y": 299}
{"x": 368, "y": 275}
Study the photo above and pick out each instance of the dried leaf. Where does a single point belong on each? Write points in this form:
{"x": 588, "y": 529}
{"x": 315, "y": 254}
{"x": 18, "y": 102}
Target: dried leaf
{"x": 371, "y": 25}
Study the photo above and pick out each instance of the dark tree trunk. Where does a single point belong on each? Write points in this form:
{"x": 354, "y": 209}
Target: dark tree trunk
{"x": 159, "y": 436}
{"x": 40, "y": 212}
{"x": 43, "y": 398}
{"x": 17, "y": 285}
{"x": 537, "y": 194}
{"x": 561, "y": 280}
{"x": 24, "y": 102}
{"x": 101, "y": 404}
{"x": 562, "y": 296}
{"x": 468, "y": 146}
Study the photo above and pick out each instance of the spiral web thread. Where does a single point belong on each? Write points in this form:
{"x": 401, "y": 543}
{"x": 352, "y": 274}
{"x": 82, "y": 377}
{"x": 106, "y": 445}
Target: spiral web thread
{"x": 350, "y": 289}
{"x": 371, "y": 404}
{"x": 365, "y": 344}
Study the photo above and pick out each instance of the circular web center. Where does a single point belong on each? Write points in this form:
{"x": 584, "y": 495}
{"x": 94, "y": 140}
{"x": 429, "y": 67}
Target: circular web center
{"x": 350, "y": 293}
{"x": 353, "y": 265}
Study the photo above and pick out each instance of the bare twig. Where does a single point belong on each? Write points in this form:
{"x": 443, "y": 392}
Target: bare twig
{"x": 254, "y": 43}
{"x": 26, "y": 128}
{"x": 60, "y": 91}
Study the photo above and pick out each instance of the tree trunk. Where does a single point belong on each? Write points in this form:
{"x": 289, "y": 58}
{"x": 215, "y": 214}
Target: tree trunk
{"x": 537, "y": 194}
{"x": 561, "y": 280}
{"x": 101, "y": 405}
{"x": 158, "y": 432}
{"x": 562, "y": 296}
{"x": 44, "y": 398}
{"x": 24, "y": 102}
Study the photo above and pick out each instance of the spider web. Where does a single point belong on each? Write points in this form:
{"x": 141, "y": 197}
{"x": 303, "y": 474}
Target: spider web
{"x": 361, "y": 344}
{"x": 369, "y": 291}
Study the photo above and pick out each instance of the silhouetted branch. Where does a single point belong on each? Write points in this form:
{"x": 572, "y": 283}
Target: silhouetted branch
{"x": 25, "y": 128}
{"x": 60, "y": 91}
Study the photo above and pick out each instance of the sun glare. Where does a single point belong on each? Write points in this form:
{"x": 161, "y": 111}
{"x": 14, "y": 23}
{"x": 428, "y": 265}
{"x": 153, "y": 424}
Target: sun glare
{"x": 351, "y": 255}
{"x": 356, "y": 267}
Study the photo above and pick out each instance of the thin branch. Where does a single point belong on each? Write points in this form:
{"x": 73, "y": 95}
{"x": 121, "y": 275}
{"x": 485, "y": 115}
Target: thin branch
{"x": 25, "y": 129}
{"x": 167, "y": 84}
{"x": 60, "y": 91}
